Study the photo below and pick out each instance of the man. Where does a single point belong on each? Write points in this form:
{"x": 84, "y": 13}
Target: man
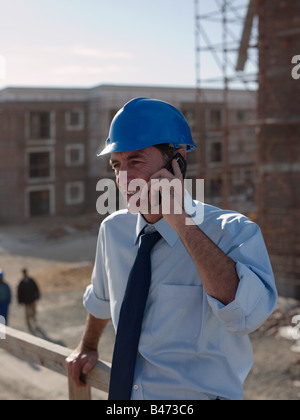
{"x": 211, "y": 282}
{"x": 5, "y": 297}
{"x": 28, "y": 294}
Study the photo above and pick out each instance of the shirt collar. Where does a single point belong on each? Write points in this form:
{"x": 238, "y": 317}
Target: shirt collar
{"x": 169, "y": 235}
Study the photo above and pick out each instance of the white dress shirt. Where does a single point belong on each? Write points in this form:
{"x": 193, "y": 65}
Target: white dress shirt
{"x": 192, "y": 347}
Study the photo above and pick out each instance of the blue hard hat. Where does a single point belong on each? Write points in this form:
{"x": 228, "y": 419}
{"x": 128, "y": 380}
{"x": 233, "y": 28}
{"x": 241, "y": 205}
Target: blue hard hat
{"x": 144, "y": 122}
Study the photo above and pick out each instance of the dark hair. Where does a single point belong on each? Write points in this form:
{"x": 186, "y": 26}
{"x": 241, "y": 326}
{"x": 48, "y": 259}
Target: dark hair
{"x": 167, "y": 150}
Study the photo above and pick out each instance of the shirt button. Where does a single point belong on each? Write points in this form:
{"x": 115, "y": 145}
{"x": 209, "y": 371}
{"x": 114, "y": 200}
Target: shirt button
{"x": 135, "y": 387}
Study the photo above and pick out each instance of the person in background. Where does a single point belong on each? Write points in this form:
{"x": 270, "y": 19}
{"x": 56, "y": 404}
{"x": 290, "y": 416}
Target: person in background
{"x": 5, "y": 297}
{"x": 28, "y": 295}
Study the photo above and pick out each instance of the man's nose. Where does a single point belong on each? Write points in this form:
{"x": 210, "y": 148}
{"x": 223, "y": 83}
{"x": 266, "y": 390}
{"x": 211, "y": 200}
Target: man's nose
{"x": 124, "y": 177}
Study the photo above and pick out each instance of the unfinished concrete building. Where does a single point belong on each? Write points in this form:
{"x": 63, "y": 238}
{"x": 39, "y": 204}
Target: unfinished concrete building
{"x": 49, "y": 140}
{"x": 43, "y": 144}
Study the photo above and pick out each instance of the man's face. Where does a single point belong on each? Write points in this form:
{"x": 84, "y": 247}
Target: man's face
{"x": 140, "y": 164}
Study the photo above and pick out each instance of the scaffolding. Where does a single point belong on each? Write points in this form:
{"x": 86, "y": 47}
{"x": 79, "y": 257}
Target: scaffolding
{"x": 218, "y": 28}
{"x": 253, "y": 35}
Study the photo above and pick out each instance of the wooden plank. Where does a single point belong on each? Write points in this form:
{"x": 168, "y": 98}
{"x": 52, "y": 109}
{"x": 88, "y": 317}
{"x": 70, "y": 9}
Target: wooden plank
{"x": 79, "y": 394}
{"x": 244, "y": 45}
{"x": 51, "y": 356}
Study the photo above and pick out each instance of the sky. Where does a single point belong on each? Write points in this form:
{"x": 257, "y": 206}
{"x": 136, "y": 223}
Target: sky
{"x": 85, "y": 43}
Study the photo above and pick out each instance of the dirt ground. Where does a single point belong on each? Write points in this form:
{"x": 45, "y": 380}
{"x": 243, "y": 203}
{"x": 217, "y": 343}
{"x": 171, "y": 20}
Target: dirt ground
{"x": 60, "y": 255}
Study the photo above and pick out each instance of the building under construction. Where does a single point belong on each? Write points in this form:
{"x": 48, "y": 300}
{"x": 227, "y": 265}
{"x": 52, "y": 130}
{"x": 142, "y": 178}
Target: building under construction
{"x": 49, "y": 140}
{"x": 278, "y": 138}
{"x": 248, "y": 139}
{"x": 270, "y": 33}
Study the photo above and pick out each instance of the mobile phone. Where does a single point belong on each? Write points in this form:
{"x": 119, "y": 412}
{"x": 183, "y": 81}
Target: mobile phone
{"x": 182, "y": 164}
{"x": 183, "y": 167}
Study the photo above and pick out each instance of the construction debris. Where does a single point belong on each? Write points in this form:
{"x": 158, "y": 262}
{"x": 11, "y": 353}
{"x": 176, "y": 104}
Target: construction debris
{"x": 281, "y": 325}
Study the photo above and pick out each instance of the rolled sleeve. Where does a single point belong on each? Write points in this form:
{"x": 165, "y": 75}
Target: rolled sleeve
{"x": 253, "y": 304}
{"x": 96, "y": 299}
{"x": 96, "y": 306}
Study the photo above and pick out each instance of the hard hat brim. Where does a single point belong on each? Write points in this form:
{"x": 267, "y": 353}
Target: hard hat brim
{"x": 114, "y": 148}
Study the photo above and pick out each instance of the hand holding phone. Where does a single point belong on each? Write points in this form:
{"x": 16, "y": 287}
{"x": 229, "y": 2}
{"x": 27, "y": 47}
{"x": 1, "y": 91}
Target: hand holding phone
{"x": 181, "y": 162}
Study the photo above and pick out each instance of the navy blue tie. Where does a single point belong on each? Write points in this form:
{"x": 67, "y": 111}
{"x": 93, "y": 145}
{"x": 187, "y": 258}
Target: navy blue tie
{"x": 130, "y": 322}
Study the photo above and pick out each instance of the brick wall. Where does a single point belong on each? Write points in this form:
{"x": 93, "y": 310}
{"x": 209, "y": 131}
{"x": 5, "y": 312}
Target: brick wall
{"x": 279, "y": 139}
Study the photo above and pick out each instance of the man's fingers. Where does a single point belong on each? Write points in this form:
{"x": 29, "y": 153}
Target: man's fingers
{"x": 162, "y": 174}
{"x": 176, "y": 169}
{"x": 88, "y": 366}
{"x": 79, "y": 365}
{"x": 74, "y": 372}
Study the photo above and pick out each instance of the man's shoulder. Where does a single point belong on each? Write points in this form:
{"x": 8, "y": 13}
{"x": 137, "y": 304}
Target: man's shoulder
{"x": 221, "y": 214}
{"x": 226, "y": 220}
{"x": 206, "y": 215}
{"x": 118, "y": 221}
{"x": 118, "y": 216}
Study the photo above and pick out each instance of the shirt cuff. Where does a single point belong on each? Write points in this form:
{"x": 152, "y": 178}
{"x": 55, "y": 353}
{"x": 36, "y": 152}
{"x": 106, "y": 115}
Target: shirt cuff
{"x": 249, "y": 293}
{"x": 97, "y": 307}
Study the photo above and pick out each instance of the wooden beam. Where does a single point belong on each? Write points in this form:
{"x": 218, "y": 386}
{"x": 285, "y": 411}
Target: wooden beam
{"x": 52, "y": 356}
{"x": 243, "y": 51}
{"x": 79, "y": 394}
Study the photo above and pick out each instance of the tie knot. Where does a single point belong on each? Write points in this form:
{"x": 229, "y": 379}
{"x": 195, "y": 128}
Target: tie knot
{"x": 147, "y": 241}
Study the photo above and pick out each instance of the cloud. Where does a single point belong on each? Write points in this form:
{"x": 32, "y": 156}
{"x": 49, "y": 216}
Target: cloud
{"x": 91, "y": 70}
{"x": 92, "y": 63}
{"x": 105, "y": 55}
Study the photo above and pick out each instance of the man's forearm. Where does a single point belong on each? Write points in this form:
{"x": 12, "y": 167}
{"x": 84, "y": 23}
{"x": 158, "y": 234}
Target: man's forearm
{"x": 216, "y": 269}
{"x": 83, "y": 359}
{"x": 93, "y": 331}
